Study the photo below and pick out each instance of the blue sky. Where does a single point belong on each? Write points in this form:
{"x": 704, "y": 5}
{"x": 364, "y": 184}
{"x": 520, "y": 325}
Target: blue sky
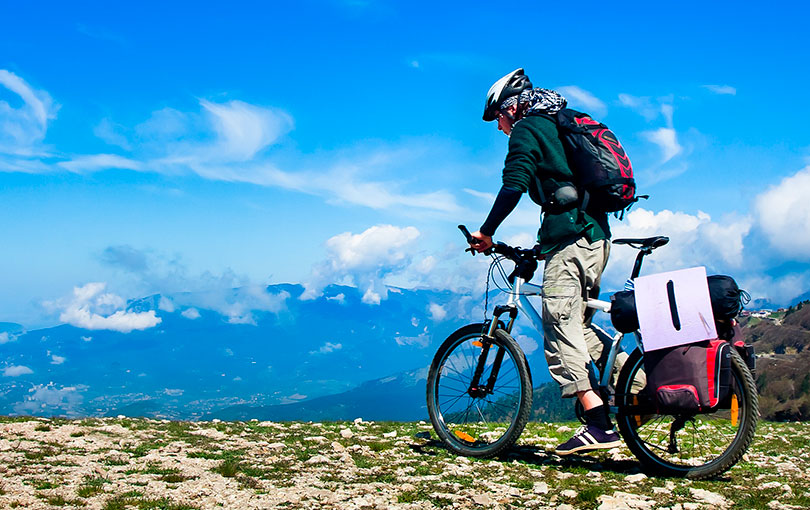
{"x": 158, "y": 147}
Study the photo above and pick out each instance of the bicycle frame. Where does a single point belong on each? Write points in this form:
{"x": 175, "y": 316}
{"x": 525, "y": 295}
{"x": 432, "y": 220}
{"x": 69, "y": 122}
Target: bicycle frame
{"x": 519, "y": 294}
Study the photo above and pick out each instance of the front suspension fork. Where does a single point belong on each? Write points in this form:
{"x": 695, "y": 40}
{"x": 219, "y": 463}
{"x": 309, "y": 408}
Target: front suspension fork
{"x": 476, "y": 390}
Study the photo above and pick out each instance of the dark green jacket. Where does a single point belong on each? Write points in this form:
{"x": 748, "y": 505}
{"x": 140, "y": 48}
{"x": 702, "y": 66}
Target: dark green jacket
{"x": 535, "y": 149}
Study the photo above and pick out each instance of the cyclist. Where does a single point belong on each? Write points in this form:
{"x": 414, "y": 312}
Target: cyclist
{"x": 574, "y": 243}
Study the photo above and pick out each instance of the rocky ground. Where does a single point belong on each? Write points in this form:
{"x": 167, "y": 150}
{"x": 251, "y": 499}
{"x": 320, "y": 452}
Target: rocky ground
{"x": 125, "y": 463}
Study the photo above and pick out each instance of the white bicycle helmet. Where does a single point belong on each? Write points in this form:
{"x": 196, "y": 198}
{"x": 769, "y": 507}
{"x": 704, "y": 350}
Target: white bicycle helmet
{"x": 510, "y": 85}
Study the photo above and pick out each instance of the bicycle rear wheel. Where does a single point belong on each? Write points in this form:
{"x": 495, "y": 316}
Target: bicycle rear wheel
{"x": 699, "y": 446}
{"x": 483, "y": 418}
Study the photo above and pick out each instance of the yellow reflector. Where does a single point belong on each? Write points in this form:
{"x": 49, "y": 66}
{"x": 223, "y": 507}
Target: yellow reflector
{"x": 464, "y": 436}
{"x": 638, "y": 416}
{"x": 478, "y": 344}
{"x": 735, "y": 410}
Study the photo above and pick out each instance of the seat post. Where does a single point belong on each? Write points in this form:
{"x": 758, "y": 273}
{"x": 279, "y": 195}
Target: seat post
{"x": 639, "y": 258}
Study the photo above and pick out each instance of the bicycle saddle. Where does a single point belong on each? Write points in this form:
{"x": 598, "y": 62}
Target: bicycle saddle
{"x": 649, "y": 243}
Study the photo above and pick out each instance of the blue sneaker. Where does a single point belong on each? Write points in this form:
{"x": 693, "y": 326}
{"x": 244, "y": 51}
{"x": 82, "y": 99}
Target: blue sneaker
{"x": 587, "y": 438}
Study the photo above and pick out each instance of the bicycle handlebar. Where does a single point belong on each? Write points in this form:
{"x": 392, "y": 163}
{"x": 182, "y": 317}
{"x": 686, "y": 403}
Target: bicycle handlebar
{"x": 525, "y": 259}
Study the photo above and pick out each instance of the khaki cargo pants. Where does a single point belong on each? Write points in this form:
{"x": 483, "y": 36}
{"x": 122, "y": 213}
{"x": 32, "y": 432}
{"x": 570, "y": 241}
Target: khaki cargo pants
{"x": 571, "y": 343}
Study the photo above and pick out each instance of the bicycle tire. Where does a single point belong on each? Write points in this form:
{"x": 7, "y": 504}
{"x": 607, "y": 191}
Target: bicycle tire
{"x": 721, "y": 437}
{"x": 501, "y": 416}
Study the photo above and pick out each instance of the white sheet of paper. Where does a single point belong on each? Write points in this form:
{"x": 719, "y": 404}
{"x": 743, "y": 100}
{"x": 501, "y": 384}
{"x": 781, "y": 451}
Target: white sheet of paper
{"x": 694, "y": 308}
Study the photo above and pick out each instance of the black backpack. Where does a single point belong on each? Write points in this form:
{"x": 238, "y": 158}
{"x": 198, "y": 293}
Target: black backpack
{"x": 600, "y": 165}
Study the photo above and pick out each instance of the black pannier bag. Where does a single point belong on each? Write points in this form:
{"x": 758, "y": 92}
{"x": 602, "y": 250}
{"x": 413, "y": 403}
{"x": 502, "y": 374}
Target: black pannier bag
{"x": 689, "y": 379}
{"x": 727, "y": 302}
{"x": 623, "y": 311}
{"x": 726, "y": 297}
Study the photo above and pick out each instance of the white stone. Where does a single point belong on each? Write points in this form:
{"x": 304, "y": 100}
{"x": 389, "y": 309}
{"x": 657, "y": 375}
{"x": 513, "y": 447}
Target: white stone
{"x": 712, "y": 498}
{"x": 482, "y": 499}
{"x": 346, "y": 433}
{"x": 625, "y": 501}
{"x": 569, "y": 494}
{"x": 318, "y": 459}
{"x": 635, "y": 478}
{"x": 393, "y": 433}
{"x": 540, "y": 488}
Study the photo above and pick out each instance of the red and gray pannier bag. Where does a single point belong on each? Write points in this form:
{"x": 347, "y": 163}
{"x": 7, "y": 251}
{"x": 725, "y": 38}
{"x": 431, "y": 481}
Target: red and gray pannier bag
{"x": 689, "y": 379}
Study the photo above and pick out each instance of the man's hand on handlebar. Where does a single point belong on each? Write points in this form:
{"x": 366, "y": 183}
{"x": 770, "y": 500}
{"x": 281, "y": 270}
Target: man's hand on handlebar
{"x": 484, "y": 242}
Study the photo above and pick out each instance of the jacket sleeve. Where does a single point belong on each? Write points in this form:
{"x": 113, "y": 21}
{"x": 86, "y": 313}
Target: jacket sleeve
{"x": 523, "y": 158}
{"x": 505, "y": 203}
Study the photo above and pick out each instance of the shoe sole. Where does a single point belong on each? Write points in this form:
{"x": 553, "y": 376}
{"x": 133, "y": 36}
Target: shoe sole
{"x": 590, "y": 447}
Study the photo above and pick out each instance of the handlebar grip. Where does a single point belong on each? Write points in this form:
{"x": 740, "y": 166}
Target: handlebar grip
{"x": 467, "y": 234}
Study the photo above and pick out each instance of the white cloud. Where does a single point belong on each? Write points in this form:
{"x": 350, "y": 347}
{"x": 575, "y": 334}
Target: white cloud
{"x": 783, "y": 215}
{"x": 16, "y": 371}
{"x": 527, "y": 344}
{"x": 165, "y": 304}
{"x": 327, "y": 348}
{"x": 722, "y": 89}
{"x": 96, "y": 162}
{"x": 87, "y": 338}
{"x": 112, "y": 134}
{"x": 244, "y": 129}
{"x": 581, "y": 98}
{"x": 641, "y": 105}
{"x": 340, "y": 298}
{"x": 228, "y": 294}
{"x": 437, "y": 312}
{"x": 695, "y": 240}
{"x": 57, "y": 360}
{"x": 23, "y": 128}
{"x": 91, "y": 308}
{"x": 363, "y": 260}
{"x": 666, "y": 138}
{"x": 191, "y": 313}
{"x": 421, "y": 340}
{"x": 6, "y": 337}
{"x": 48, "y": 400}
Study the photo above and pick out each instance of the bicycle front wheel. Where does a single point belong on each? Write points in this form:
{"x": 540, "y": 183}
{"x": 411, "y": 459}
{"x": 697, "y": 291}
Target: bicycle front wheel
{"x": 699, "y": 446}
{"x": 479, "y": 392}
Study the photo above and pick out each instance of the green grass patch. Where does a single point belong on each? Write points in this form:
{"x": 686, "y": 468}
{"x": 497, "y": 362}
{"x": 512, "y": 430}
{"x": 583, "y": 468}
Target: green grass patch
{"x": 42, "y": 485}
{"x": 41, "y": 453}
{"x": 587, "y": 497}
{"x": 91, "y": 487}
{"x": 228, "y": 468}
{"x": 130, "y": 500}
{"x": 144, "y": 448}
{"x": 58, "y": 500}
{"x": 42, "y": 427}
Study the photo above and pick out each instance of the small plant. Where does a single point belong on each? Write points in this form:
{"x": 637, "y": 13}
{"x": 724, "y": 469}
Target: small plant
{"x": 91, "y": 487}
{"x": 228, "y": 468}
{"x": 42, "y": 427}
{"x": 45, "y": 485}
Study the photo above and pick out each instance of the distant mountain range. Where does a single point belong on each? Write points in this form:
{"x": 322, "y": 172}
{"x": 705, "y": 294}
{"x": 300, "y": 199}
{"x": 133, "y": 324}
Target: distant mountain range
{"x": 196, "y": 363}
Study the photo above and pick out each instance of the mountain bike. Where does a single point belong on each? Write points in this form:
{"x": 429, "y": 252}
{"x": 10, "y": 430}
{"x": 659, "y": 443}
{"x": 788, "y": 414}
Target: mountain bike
{"x": 479, "y": 387}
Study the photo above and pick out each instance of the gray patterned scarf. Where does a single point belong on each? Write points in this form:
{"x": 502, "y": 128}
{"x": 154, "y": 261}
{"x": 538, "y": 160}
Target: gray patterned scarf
{"x": 539, "y": 100}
